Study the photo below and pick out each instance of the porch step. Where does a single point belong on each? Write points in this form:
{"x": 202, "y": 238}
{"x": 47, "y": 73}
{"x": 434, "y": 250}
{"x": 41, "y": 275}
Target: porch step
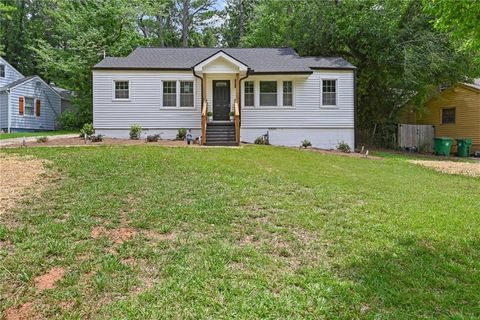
{"x": 220, "y": 134}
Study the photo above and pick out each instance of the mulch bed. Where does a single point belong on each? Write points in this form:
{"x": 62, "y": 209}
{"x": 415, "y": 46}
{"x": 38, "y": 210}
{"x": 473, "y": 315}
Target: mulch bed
{"x": 106, "y": 141}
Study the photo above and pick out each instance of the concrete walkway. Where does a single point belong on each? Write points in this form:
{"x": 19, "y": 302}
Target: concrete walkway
{"x": 8, "y": 142}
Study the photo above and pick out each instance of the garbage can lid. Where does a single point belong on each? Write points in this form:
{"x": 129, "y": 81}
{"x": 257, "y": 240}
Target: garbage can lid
{"x": 444, "y": 138}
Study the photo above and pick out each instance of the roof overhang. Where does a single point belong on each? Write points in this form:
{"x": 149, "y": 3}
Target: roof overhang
{"x": 221, "y": 56}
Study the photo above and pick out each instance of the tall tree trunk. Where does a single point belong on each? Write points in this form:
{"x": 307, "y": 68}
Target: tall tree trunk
{"x": 161, "y": 40}
{"x": 185, "y": 21}
{"x": 241, "y": 22}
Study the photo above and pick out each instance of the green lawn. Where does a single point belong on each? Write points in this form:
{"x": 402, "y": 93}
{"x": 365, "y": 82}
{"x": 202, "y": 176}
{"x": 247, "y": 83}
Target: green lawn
{"x": 255, "y": 232}
{"x": 34, "y": 134}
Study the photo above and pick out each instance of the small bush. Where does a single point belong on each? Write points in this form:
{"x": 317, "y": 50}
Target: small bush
{"x": 153, "y": 138}
{"x": 231, "y": 113}
{"x": 87, "y": 130}
{"x": 262, "y": 140}
{"x": 69, "y": 121}
{"x": 135, "y": 132}
{"x": 96, "y": 138}
{"x": 343, "y": 147}
{"x": 42, "y": 139}
{"x": 182, "y": 133}
{"x": 306, "y": 143}
{"x": 209, "y": 114}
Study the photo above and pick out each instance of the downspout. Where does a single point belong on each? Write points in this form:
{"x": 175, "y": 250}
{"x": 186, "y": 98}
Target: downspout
{"x": 240, "y": 90}
{"x": 201, "y": 85}
{"x": 355, "y": 109}
{"x": 9, "y": 116}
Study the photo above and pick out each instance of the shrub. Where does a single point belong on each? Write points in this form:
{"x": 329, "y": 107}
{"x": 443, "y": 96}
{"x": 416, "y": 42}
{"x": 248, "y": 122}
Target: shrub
{"x": 262, "y": 140}
{"x": 343, "y": 147}
{"x": 135, "y": 132}
{"x": 209, "y": 114}
{"x": 87, "y": 130}
{"x": 306, "y": 143}
{"x": 231, "y": 113}
{"x": 153, "y": 138}
{"x": 182, "y": 133}
{"x": 69, "y": 120}
{"x": 96, "y": 138}
{"x": 42, "y": 139}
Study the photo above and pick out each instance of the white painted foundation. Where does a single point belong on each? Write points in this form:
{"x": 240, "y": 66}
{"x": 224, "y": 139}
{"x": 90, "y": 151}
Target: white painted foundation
{"x": 167, "y": 134}
{"x": 320, "y": 138}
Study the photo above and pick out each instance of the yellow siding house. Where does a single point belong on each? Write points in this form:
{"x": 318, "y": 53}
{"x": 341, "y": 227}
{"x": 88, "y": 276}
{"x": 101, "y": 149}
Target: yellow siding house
{"x": 455, "y": 113}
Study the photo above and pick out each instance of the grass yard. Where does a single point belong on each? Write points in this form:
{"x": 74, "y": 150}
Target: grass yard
{"x": 255, "y": 232}
{"x": 34, "y": 134}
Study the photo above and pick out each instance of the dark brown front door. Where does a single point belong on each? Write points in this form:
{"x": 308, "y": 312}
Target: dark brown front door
{"x": 221, "y": 99}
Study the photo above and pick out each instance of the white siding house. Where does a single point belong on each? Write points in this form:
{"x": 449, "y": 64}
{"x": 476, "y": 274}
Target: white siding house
{"x": 276, "y": 92}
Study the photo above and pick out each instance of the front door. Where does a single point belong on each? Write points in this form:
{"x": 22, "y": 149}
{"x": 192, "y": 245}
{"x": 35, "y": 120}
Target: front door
{"x": 221, "y": 99}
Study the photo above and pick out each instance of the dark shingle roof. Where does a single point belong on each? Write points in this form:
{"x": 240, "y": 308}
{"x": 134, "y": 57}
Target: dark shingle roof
{"x": 257, "y": 59}
{"x": 19, "y": 81}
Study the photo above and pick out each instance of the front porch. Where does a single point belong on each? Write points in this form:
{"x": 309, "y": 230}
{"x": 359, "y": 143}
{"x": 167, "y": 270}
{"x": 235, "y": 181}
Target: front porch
{"x": 221, "y": 77}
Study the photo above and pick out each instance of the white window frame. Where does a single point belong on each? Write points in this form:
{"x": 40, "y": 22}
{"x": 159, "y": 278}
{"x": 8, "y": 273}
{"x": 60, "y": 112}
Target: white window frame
{"x": 329, "y": 106}
{"x": 4, "y": 70}
{"x": 259, "y": 93}
{"x": 293, "y": 94}
{"x": 177, "y": 92}
{"x": 34, "y": 115}
{"x": 243, "y": 94}
{"x": 113, "y": 90}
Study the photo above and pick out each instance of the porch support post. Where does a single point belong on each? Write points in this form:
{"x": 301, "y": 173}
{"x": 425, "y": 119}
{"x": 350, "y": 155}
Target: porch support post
{"x": 205, "y": 88}
{"x": 237, "y": 88}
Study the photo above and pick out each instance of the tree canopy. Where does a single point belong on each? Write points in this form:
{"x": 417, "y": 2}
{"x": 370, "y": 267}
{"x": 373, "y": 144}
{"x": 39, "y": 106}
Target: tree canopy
{"x": 403, "y": 49}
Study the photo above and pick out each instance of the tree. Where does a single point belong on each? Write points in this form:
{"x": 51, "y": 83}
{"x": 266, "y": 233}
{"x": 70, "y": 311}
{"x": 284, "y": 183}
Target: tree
{"x": 237, "y": 15}
{"x": 399, "y": 55}
{"x": 193, "y": 14}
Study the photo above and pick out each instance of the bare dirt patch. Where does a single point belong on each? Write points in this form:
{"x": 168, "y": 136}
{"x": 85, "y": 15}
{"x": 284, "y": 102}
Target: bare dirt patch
{"x": 48, "y": 280}
{"x": 117, "y": 236}
{"x": 16, "y": 175}
{"x": 155, "y": 236}
{"x": 24, "y": 312}
{"x": 451, "y": 167}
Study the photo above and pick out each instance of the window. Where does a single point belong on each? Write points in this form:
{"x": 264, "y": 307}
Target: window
{"x": 121, "y": 90}
{"x": 2, "y": 71}
{"x": 448, "y": 115}
{"x": 329, "y": 92}
{"x": 287, "y": 93}
{"x": 169, "y": 93}
{"x": 29, "y": 106}
{"x": 249, "y": 94}
{"x": 186, "y": 93}
{"x": 268, "y": 93}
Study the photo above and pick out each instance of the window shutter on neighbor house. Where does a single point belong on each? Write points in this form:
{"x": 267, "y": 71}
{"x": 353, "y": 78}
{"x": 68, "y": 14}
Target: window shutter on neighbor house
{"x": 37, "y": 108}
{"x": 20, "y": 105}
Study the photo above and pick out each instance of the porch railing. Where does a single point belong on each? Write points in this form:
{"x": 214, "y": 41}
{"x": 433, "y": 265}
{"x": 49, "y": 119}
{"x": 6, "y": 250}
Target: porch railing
{"x": 204, "y": 121}
{"x": 237, "y": 122}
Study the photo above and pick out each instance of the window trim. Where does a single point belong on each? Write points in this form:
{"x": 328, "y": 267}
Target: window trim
{"x": 283, "y": 93}
{"x": 329, "y": 106}
{"x": 260, "y": 94}
{"x": 454, "y": 116}
{"x": 177, "y": 92}
{"x": 34, "y": 115}
{"x": 113, "y": 90}
{"x": 180, "y": 94}
{"x": 4, "y": 70}
{"x": 243, "y": 94}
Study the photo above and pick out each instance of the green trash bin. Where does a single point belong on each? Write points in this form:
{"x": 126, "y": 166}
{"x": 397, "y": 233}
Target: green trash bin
{"x": 443, "y": 146}
{"x": 463, "y": 147}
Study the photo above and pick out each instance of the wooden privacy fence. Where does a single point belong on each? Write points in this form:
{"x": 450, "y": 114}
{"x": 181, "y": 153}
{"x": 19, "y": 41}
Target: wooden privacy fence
{"x": 416, "y": 136}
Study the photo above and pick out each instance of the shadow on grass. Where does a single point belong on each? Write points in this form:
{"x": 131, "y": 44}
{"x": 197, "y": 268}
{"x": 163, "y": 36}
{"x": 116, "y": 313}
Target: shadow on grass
{"x": 421, "y": 278}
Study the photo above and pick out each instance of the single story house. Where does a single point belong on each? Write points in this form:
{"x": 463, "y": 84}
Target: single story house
{"x": 454, "y": 112}
{"x": 28, "y": 103}
{"x": 270, "y": 91}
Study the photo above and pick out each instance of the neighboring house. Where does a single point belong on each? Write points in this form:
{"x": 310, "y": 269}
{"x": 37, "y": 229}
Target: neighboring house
{"x": 270, "y": 90}
{"x": 27, "y": 103}
{"x": 454, "y": 112}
